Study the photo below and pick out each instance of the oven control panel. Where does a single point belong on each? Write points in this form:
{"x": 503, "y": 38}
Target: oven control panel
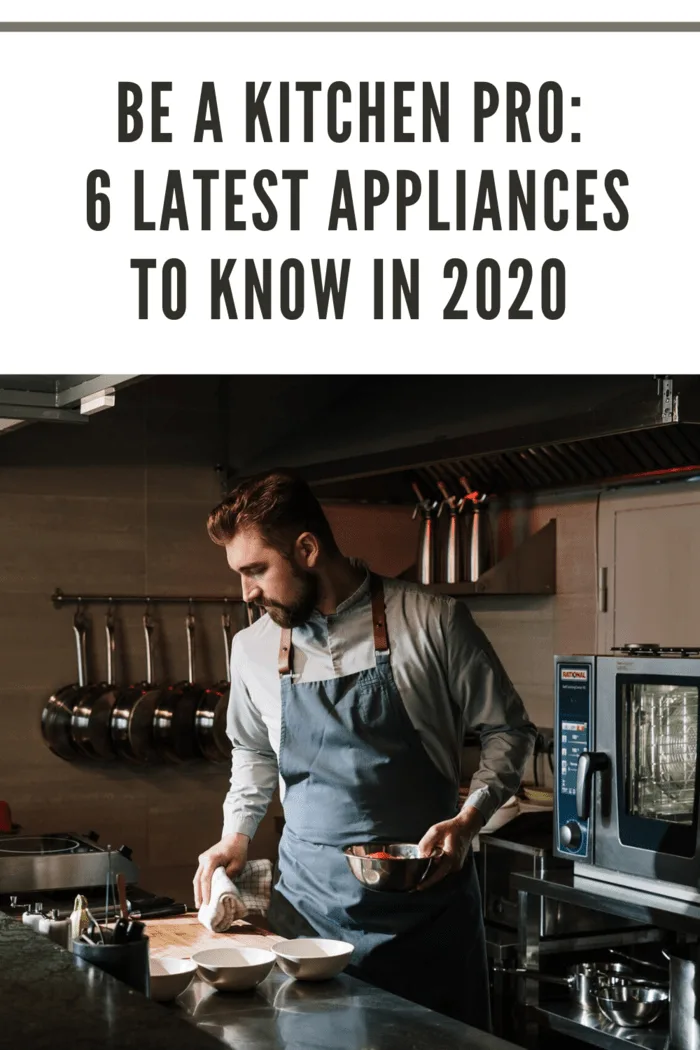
{"x": 574, "y": 684}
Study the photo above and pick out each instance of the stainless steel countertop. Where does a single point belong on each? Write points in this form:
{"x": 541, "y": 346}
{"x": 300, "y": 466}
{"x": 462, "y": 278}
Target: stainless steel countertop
{"x": 650, "y": 909}
{"x": 340, "y": 1014}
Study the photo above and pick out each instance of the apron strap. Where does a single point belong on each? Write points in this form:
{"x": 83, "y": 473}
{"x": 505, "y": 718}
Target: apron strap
{"x": 284, "y": 663}
{"x": 381, "y": 639}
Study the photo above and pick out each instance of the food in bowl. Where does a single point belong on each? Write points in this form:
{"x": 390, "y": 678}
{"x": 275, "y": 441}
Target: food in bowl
{"x": 169, "y": 977}
{"x": 312, "y": 958}
{"x": 234, "y": 969}
{"x": 394, "y": 867}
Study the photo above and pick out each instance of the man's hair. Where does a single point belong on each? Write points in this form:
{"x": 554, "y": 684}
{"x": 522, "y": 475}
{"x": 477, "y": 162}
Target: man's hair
{"x": 280, "y": 504}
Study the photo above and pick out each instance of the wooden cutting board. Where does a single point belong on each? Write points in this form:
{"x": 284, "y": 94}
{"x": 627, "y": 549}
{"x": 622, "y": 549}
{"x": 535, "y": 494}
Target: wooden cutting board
{"x": 183, "y": 935}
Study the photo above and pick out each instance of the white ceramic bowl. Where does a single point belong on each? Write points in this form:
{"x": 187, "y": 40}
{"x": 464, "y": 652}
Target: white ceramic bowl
{"x": 234, "y": 969}
{"x": 312, "y": 958}
{"x": 169, "y": 977}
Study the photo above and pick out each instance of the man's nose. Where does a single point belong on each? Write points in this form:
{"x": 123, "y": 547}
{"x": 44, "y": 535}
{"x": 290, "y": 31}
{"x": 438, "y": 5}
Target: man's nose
{"x": 251, "y": 591}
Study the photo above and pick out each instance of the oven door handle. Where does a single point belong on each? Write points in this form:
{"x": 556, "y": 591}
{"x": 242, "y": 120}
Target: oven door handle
{"x": 589, "y": 763}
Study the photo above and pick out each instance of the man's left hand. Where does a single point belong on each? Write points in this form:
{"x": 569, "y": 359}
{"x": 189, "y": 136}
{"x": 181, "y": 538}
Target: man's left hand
{"x": 454, "y": 838}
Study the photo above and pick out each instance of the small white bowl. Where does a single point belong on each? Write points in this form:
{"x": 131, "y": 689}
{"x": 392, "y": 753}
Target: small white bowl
{"x": 234, "y": 969}
{"x": 169, "y": 977}
{"x": 312, "y": 958}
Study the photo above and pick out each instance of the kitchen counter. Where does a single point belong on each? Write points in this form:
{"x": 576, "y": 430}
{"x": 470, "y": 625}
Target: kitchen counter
{"x": 341, "y": 1014}
{"x": 48, "y": 1003}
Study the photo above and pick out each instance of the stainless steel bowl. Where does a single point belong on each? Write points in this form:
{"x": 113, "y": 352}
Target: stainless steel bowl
{"x": 632, "y": 1007}
{"x": 403, "y": 872}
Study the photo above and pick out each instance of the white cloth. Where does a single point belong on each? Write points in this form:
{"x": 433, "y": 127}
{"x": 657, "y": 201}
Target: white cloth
{"x": 231, "y": 900}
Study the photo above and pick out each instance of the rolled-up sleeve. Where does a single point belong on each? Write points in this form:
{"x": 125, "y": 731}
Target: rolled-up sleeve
{"x": 491, "y": 707}
{"x": 253, "y": 761}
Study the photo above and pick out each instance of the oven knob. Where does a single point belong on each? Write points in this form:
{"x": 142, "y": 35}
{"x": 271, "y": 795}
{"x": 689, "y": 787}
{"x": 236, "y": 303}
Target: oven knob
{"x": 570, "y": 835}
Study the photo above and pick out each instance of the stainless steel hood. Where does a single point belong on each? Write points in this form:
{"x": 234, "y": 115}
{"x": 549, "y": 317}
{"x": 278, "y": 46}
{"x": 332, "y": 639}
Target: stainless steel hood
{"x": 504, "y": 433}
{"x": 56, "y": 398}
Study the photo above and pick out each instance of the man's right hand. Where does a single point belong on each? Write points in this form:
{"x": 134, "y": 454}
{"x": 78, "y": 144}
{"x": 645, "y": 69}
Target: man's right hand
{"x": 230, "y": 853}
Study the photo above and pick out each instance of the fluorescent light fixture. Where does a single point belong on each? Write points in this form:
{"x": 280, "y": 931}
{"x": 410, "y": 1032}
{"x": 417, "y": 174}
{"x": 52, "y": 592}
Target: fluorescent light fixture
{"x": 97, "y": 402}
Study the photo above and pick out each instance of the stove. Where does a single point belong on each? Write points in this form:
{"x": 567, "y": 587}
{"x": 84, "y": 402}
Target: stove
{"x": 59, "y": 861}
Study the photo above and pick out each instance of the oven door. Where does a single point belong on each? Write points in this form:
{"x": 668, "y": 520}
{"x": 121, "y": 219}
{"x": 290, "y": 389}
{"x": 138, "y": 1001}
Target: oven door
{"x": 647, "y": 803}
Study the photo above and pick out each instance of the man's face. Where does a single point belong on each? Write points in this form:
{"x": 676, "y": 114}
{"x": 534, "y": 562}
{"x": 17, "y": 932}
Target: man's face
{"x": 281, "y": 585}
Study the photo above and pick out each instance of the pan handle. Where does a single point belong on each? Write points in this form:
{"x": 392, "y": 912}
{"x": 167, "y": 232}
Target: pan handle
{"x": 109, "y": 634}
{"x": 80, "y": 630}
{"x": 226, "y": 631}
{"x": 148, "y": 635}
{"x": 189, "y": 622}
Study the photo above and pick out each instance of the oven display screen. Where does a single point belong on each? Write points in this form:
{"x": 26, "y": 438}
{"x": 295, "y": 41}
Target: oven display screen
{"x": 574, "y": 741}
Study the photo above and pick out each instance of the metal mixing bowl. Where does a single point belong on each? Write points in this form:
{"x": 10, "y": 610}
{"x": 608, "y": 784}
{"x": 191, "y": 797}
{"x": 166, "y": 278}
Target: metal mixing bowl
{"x": 632, "y": 1007}
{"x": 403, "y": 872}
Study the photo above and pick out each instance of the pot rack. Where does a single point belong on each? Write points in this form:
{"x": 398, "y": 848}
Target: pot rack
{"x": 59, "y": 599}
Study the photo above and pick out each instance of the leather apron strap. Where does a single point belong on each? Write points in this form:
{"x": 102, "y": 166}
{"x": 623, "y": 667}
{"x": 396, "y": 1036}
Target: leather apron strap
{"x": 285, "y": 660}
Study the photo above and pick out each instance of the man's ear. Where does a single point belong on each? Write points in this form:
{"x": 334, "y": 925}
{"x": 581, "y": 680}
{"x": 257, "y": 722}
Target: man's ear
{"x": 307, "y": 550}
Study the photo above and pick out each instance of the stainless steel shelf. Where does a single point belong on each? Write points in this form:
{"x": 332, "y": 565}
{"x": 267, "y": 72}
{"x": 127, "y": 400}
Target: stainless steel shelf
{"x": 648, "y": 909}
{"x": 589, "y": 1026}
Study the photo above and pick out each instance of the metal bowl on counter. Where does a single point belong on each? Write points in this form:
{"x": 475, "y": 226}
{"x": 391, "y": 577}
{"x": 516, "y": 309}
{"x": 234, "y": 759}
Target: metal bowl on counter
{"x": 631, "y": 1006}
{"x": 394, "y": 867}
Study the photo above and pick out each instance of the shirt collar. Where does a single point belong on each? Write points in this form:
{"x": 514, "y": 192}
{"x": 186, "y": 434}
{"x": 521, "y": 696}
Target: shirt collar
{"x": 362, "y": 591}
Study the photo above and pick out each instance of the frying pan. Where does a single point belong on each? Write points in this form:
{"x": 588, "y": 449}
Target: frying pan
{"x": 131, "y": 723}
{"x": 210, "y": 716}
{"x": 56, "y": 716}
{"x": 93, "y": 709}
{"x": 173, "y": 718}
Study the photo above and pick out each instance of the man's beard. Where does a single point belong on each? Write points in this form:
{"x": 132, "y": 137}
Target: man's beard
{"x": 299, "y": 611}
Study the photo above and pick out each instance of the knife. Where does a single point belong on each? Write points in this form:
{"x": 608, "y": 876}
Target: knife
{"x": 159, "y": 913}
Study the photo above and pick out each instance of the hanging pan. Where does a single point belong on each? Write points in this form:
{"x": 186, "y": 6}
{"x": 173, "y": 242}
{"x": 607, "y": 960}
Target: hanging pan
{"x": 173, "y": 719}
{"x": 210, "y": 716}
{"x": 131, "y": 724}
{"x": 56, "y": 716}
{"x": 93, "y": 709}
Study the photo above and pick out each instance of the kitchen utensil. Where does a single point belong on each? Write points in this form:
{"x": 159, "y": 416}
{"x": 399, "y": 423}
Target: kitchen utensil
{"x": 128, "y": 962}
{"x": 234, "y": 969}
{"x": 169, "y": 977}
{"x": 210, "y": 716}
{"x": 481, "y": 539}
{"x": 312, "y": 958}
{"x": 403, "y": 871}
{"x": 581, "y": 980}
{"x": 56, "y": 716}
{"x": 173, "y": 719}
{"x": 453, "y": 560}
{"x": 131, "y": 723}
{"x": 684, "y": 1014}
{"x": 663, "y": 970}
{"x": 427, "y": 546}
{"x": 93, "y": 708}
{"x": 159, "y": 913}
{"x": 632, "y": 1007}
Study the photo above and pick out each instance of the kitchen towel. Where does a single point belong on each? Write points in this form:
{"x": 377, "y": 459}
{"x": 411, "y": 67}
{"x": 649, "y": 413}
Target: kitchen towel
{"x": 231, "y": 900}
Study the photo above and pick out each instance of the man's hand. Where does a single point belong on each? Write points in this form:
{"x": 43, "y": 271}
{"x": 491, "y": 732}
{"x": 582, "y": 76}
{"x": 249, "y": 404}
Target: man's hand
{"x": 230, "y": 853}
{"x": 454, "y": 838}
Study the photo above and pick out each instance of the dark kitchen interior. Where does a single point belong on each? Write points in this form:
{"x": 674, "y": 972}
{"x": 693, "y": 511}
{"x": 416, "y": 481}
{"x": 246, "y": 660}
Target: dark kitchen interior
{"x": 569, "y": 511}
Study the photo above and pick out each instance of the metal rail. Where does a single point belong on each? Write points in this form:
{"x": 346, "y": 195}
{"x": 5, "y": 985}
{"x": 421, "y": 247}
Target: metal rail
{"x": 60, "y": 599}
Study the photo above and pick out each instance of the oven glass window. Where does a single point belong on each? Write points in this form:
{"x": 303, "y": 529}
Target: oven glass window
{"x": 660, "y": 732}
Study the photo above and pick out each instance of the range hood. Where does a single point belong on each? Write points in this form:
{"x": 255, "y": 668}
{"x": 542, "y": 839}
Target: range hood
{"x": 28, "y": 399}
{"x": 503, "y": 433}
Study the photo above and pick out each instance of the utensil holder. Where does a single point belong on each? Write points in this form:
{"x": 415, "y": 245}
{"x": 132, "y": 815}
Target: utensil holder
{"x": 127, "y": 962}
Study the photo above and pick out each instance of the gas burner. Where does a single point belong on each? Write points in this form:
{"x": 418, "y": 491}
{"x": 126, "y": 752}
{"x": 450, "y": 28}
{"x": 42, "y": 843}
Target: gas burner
{"x": 652, "y": 649}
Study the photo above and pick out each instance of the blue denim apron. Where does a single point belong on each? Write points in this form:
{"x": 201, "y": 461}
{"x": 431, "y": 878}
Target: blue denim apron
{"x": 355, "y": 771}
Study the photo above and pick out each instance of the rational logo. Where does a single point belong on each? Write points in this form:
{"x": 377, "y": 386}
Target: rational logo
{"x": 574, "y": 674}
